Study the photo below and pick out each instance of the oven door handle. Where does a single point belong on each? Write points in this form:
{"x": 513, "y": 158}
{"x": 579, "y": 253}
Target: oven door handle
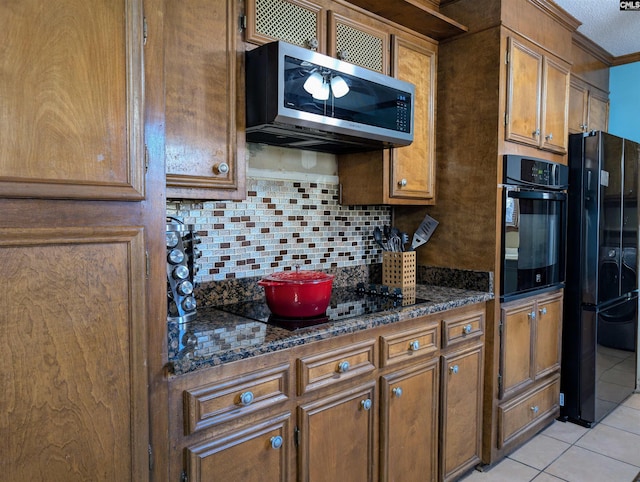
{"x": 543, "y": 195}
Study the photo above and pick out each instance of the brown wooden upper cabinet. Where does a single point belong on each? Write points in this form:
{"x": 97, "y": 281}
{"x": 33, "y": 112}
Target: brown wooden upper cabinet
{"x": 205, "y": 104}
{"x": 297, "y": 22}
{"x": 346, "y": 34}
{"x": 413, "y": 167}
{"x": 588, "y": 108}
{"x": 404, "y": 175}
{"x": 72, "y": 124}
{"x": 397, "y": 176}
{"x": 537, "y": 98}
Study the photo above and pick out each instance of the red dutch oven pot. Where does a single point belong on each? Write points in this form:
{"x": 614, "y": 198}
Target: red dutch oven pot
{"x": 298, "y": 294}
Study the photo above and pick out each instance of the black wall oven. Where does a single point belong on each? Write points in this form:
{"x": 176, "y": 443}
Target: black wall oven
{"x": 534, "y": 217}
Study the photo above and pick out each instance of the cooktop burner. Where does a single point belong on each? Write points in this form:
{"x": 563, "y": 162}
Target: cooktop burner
{"x": 345, "y": 303}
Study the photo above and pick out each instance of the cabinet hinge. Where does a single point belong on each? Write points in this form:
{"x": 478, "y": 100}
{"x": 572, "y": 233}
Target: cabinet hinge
{"x": 296, "y": 436}
{"x": 506, "y": 57}
{"x": 500, "y": 326}
{"x": 184, "y": 477}
{"x": 243, "y": 22}
{"x": 148, "y": 270}
{"x": 146, "y": 158}
{"x": 144, "y": 31}
{"x": 499, "y": 383}
{"x": 506, "y": 119}
{"x": 150, "y": 458}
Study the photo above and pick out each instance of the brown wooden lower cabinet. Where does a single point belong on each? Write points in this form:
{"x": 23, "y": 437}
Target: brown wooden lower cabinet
{"x": 461, "y": 413}
{"x": 384, "y": 404}
{"x": 530, "y": 353}
{"x": 409, "y": 423}
{"x": 530, "y": 409}
{"x": 336, "y": 436}
{"x": 257, "y": 452}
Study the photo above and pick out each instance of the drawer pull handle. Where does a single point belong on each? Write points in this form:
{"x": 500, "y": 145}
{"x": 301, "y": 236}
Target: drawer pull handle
{"x": 454, "y": 369}
{"x": 535, "y": 409}
{"x": 543, "y": 311}
{"x": 467, "y": 329}
{"x": 414, "y": 345}
{"x": 276, "y": 442}
{"x": 397, "y": 392}
{"x": 246, "y": 398}
{"x": 366, "y": 404}
{"x": 343, "y": 367}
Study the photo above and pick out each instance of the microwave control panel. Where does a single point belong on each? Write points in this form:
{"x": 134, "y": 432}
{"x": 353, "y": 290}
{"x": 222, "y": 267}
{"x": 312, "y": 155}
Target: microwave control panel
{"x": 403, "y": 107}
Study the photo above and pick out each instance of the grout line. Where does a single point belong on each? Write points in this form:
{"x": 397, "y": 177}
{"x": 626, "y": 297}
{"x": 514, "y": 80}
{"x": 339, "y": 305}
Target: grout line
{"x": 608, "y": 456}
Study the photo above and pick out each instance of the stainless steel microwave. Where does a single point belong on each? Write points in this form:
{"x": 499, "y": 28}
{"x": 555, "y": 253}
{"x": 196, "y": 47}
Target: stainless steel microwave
{"x": 302, "y": 99}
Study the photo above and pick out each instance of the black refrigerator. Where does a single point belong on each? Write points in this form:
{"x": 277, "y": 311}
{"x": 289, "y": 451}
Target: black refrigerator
{"x": 600, "y": 320}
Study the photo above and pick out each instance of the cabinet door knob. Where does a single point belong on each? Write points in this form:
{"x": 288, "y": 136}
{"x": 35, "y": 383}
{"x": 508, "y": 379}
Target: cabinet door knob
{"x": 343, "y": 55}
{"x": 414, "y": 345}
{"x": 313, "y": 43}
{"x": 532, "y": 315}
{"x": 536, "y": 133}
{"x": 535, "y": 409}
{"x": 246, "y": 398}
{"x": 221, "y": 168}
{"x": 366, "y": 404}
{"x": 343, "y": 367}
{"x": 397, "y": 392}
{"x": 549, "y": 137}
{"x": 402, "y": 182}
{"x": 276, "y": 442}
{"x": 454, "y": 369}
{"x": 467, "y": 329}
{"x": 543, "y": 311}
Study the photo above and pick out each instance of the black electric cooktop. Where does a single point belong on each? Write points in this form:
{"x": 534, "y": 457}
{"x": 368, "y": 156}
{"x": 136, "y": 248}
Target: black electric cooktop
{"x": 345, "y": 303}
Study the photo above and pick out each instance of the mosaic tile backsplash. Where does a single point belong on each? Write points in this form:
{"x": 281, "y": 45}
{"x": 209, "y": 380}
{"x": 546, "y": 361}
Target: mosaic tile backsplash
{"x": 280, "y": 224}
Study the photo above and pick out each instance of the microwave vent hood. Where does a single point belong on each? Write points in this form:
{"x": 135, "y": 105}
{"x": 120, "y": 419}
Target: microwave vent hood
{"x": 301, "y": 99}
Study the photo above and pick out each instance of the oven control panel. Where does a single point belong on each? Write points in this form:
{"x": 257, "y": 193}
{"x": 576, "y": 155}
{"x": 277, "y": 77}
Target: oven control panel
{"x": 519, "y": 170}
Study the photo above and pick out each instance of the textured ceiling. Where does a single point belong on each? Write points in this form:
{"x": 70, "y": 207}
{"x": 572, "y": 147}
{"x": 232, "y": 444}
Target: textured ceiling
{"x": 616, "y": 31}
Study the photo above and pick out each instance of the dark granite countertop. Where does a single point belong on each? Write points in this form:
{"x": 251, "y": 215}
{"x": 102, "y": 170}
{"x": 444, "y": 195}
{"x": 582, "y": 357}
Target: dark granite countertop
{"x": 216, "y": 337}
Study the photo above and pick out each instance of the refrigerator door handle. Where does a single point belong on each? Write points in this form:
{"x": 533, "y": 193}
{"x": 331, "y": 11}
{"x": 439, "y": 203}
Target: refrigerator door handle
{"x": 625, "y": 298}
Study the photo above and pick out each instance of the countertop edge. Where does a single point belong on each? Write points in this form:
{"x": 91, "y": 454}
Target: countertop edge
{"x": 184, "y": 364}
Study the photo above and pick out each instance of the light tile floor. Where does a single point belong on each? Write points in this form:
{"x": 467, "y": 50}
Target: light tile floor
{"x": 608, "y": 452}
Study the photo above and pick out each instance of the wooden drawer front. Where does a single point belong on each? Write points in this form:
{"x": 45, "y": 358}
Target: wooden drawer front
{"x": 219, "y": 402}
{"x": 466, "y": 326}
{"x": 409, "y": 345}
{"x": 516, "y": 416}
{"x": 327, "y": 368}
